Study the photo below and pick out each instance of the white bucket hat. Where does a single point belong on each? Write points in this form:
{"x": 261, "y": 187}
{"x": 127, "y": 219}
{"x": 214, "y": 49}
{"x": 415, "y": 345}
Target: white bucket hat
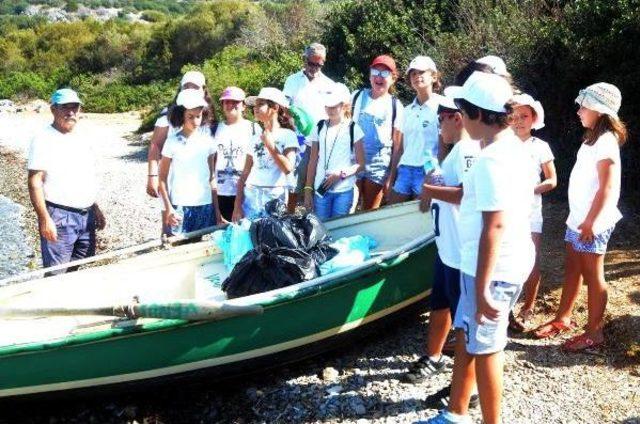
{"x": 269, "y": 93}
{"x": 601, "y": 97}
{"x": 526, "y": 100}
{"x": 339, "y": 93}
{"x": 191, "y": 99}
{"x": 422, "y": 63}
{"x": 496, "y": 64}
{"x": 487, "y": 91}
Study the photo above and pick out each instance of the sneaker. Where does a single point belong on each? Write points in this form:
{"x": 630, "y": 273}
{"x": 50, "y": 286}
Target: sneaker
{"x": 423, "y": 369}
{"x": 443, "y": 418}
{"x": 441, "y": 399}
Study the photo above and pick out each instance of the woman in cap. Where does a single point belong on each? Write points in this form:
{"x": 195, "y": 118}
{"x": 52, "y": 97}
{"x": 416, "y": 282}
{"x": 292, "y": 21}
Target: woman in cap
{"x": 231, "y": 138}
{"x": 270, "y": 158}
{"x": 420, "y": 130}
{"x": 380, "y": 115}
{"x": 336, "y": 157}
{"x": 186, "y": 167}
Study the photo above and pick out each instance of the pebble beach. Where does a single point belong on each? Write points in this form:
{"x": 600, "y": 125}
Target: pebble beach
{"x": 359, "y": 383}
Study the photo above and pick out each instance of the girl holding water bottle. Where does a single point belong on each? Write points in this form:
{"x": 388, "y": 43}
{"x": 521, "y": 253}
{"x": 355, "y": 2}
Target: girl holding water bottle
{"x": 419, "y": 130}
{"x": 186, "y": 167}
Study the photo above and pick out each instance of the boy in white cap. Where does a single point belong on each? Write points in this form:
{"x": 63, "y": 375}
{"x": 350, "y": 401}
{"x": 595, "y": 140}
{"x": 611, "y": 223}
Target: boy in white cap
{"x": 419, "y": 131}
{"x": 528, "y": 115}
{"x": 497, "y": 252}
{"x": 63, "y": 185}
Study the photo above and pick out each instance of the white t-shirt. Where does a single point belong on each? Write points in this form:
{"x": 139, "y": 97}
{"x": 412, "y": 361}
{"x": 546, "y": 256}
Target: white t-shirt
{"x": 420, "y": 131}
{"x": 163, "y": 122}
{"x": 265, "y": 171}
{"x": 500, "y": 180}
{"x": 540, "y": 153}
{"x": 232, "y": 144}
{"x": 189, "y": 176}
{"x": 380, "y": 111}
{"x": 445, "y": 215}
{"x": 334, "y": 153}
{"x": 583, "y": 184}
{"x": 69, "y": 163}
{"x": 308, "y": 95}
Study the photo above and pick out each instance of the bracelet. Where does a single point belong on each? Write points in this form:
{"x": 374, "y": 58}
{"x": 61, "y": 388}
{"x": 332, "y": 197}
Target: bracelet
{"x": 308, "y": 188}
{"x": 152, "y": 175}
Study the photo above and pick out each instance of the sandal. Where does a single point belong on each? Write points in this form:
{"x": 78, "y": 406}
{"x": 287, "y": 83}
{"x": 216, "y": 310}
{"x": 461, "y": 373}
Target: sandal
{"x": 553, "y": 328}
{"x": 581, "y": 343}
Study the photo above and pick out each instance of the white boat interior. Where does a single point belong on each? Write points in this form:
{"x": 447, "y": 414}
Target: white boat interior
{"x": 191, "y": 271}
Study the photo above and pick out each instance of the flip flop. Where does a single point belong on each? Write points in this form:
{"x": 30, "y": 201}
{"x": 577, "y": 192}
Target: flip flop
{"x": 553, "y": 328}
{"x": 581, "y": 343}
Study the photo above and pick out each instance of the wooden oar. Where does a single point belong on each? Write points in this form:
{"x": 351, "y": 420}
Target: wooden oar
{"x": 169, "y": 241}
{"x": 179, "y": 309}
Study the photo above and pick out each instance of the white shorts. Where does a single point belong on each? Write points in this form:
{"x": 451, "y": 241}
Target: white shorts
{"x": 490, "y": 336}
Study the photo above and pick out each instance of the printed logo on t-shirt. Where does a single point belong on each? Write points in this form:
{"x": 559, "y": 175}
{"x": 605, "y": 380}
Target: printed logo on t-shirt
{"x": 468, "y": 162}
{"x": 230, "y": 154}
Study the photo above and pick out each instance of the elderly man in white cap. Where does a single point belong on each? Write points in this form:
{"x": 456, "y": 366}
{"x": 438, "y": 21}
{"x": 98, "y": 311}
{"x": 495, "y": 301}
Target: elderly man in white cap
{"x": 306, "y": 89}
{"x": 63, "y": 185}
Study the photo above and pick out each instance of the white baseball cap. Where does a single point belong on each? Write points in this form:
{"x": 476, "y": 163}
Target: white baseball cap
{"x": 447, "y": 100}
{"x": 191, "y": 99}
{"x": 526, "y": 100}
{"x": 194, "y": 77}
{"x": 496, "y": 64}
{"x": 422, "y": 63}
{"x": 269, "y": 93}
{"x": 487, "y": 91}
{"x": 601, "y": 97}
{"x": 339, "y": 93}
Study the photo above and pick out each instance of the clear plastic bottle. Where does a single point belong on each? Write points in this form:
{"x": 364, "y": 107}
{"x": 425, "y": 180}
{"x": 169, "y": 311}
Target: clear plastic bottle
{"x": 433, "y": 172}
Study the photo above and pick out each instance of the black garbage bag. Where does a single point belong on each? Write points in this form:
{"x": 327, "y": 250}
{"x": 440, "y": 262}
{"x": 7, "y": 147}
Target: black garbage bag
{"x": 309, "y": 230}
{"x": 275, "y": 208}
{"x": 273, "y": 232}
{"x": 322, "y": 253}
{"x": 263, "y": 269}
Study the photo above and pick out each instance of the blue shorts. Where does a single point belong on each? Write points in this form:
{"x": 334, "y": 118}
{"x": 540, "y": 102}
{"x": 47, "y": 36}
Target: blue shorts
{"x": 377, "y": 169}
{"x": 597, "y": 246}
{"x": 409, "y": 180}
{"x": 193, "y": 218}
{"x": 333, "y": 205}
{"x": 489, "y": 336}
{"x": 445, "y": 293}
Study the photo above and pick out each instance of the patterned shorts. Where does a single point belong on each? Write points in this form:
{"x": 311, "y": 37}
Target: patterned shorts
{"x": 598, "y": 245}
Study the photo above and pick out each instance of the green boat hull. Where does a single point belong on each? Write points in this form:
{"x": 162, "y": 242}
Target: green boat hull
{"x": 312, "y": 317}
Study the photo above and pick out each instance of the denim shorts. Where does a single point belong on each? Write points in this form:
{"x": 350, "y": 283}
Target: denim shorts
{"x": 332, "y": 205}
{"x": 490, "y": 336}
{"x": 445, "y": 293}
{"x": 597, "y": 246}
{"x": 409, "y": 180}
{"x": 193, "y": 218}
{"x": 377, "y": 171}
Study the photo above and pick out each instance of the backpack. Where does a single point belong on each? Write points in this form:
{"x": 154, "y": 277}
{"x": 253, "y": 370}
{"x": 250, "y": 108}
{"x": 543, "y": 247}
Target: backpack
{"x": 394, "y": 107}
{"x": 352, "y": 125}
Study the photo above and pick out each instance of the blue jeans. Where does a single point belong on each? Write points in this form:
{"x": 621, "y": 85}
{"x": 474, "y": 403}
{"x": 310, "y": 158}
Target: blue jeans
{"x": 76, "y": 238}
{"x": 332, "y": 205}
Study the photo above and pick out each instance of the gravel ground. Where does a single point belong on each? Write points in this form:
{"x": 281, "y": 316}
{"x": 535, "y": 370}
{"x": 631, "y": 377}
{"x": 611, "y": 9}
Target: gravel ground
{"x": 360, "y": 383}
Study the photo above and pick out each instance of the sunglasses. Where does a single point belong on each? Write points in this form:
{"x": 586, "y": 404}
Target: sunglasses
{"x": 314, "y": 64}
{"x": 383, "y": 73}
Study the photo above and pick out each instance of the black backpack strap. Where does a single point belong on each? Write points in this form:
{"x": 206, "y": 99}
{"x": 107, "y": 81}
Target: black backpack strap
{"x": 394, "y": 112}
{"x": 353, "y": 105}
{"x": 320, "y": 124}
{"x": 253, "y": 128}
{"x": 352, "y": 126}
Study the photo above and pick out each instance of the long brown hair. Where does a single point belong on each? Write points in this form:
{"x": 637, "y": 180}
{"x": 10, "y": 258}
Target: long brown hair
{"x": 284, "y": 119}
{"x": 606, "y": 123}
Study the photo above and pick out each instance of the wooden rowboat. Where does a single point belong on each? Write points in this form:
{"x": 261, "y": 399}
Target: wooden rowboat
{"x": 81, "y": 345}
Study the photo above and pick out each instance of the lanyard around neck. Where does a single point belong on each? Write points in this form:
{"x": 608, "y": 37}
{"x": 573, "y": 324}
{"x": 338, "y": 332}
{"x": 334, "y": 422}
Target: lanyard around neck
{"x": 327, "y": 158}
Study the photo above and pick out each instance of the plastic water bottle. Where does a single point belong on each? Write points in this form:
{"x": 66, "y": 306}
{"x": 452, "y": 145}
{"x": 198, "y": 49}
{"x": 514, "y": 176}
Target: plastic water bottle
{"x": 433, "y": 171}
{"x": 177, "y": 229}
